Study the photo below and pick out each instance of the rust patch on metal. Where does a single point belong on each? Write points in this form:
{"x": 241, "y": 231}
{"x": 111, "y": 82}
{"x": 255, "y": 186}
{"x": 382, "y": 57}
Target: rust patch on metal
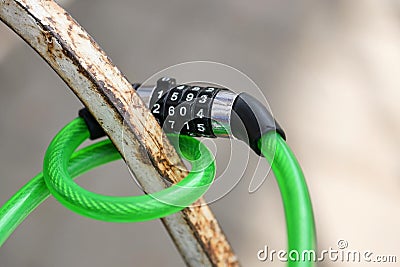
{"x": 48, "y": 38}
{"x": 213, "y": 239}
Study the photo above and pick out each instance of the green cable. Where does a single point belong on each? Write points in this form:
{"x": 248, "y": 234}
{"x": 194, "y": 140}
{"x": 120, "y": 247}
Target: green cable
{"x": 297, "y": 204}
{"x": 19, "y": 206}
{"x": 23, "y": 202}
{"x": 296, "y": 199}
{"x": 118, "y": 208}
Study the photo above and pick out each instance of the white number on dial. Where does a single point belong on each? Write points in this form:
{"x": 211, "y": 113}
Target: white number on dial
{"x": 156, "y": 109}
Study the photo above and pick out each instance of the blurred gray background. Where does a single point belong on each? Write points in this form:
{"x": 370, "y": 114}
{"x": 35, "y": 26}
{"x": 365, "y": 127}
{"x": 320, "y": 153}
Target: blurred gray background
{"x": 331, "y": 73}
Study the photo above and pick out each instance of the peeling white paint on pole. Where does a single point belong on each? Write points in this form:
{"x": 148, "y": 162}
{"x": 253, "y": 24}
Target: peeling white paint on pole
{"x": 98, "y": 83}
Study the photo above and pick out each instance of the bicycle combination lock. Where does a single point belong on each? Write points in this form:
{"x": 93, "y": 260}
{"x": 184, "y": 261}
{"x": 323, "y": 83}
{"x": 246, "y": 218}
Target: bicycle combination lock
{"x": 208, "y": 111}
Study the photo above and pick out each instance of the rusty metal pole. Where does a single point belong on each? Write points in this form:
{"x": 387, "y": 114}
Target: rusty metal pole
{"x": 103, "y": 89}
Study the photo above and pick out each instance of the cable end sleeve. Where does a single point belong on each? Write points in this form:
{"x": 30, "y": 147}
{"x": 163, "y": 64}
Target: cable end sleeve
{"x": 250, "y": 120}
{"x": 95, "y": 130}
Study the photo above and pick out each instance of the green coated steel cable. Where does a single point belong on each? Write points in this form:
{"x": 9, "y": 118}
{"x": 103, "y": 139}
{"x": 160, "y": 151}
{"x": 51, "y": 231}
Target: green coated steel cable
{"x": 118, "y": 208}
{"x": 62, "y": 163}
{"x": 296, "y": 200}
{"x": 33, "y": 193}
{"x": 72, "y": 164}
